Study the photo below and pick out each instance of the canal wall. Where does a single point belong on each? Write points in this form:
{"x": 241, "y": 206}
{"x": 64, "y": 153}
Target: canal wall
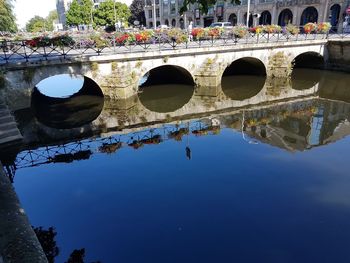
{"x": 338, "y": 55}
{"x": 18, "y": 242}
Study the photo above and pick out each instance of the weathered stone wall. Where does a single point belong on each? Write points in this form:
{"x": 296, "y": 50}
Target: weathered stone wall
{"x": 18, "y": 242}
{"x": 338, "y": 55}
{"x": 118, "y": 75}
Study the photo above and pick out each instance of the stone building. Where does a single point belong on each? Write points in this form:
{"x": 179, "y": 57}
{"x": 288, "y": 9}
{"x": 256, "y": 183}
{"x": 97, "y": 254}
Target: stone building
{"x": 279, "y": 12}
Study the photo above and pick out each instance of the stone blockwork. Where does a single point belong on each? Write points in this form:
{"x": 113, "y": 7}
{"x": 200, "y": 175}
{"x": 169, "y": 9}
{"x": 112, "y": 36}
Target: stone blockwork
{"x": 338, "y": 55}
{"x": 119, "y": 75}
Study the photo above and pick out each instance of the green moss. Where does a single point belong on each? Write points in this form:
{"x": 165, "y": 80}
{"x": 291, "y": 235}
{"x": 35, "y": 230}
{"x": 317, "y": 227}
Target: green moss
{"x": 138, "y": 64}
{"x": 94, "y": 66}
{"x": 28, "y": 74}
{"x": 114, "y": 65}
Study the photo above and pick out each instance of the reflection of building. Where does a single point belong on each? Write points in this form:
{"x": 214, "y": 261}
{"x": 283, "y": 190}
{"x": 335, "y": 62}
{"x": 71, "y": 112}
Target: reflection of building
{"x": 280, "y": 12}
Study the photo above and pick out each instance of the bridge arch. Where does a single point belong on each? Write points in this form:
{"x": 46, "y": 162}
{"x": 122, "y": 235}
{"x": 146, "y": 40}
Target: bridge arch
{"x": 306, "y": 72}
{"x": 166, "y": 88}
{"x": 309, "y": 59}
{"x": 244, "y": 78}
{"x": 167, "y": 74}
{"x": 245, "y": 66}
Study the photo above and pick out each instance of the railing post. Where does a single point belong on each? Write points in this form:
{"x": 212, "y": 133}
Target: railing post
{"x": 25, "y": 51}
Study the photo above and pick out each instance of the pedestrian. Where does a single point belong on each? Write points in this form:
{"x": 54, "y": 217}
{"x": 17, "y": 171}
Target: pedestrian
{"x": 190, "y": 26}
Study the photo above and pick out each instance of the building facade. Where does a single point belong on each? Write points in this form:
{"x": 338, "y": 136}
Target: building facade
{"x": 281, "y": 12}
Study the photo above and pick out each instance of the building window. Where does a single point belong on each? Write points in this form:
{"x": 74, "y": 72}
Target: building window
{"x": 157, "y": 12}
{"x": 157, "y": 2}
{"x": 149, "y": 13}
{"x": 172, "y": 7}
{"x": 165, "y": 2}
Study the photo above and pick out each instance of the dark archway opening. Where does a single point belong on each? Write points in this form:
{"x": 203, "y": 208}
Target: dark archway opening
{"x": 166, "y": 88}
{"x": 309, "y": 15}
{"x": 244, "y": 78}
{"x": 285, "y": 17}
{"x": 334, "y": 16}
{"x": 246, "y": 66}
{"x": 309, "y": 60}
{"x": 265, "y": 18}
{"x": 307, "y": 70}
{"x": 67, "y": 111}
{"x": 233, "y": 19}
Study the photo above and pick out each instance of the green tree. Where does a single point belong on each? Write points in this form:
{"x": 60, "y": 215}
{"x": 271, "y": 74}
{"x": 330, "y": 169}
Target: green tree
{"x": 79, "y": 13}
{"x": 137, "y": 12}
{"x": 36, "y": 24}
{"x": 104, "y": 14}
{"x": 53, "y": 16}
{"x": 7, "y": 18}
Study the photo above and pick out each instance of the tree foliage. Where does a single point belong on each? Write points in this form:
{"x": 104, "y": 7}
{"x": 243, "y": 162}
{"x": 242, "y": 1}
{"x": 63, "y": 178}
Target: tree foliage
{"x": 7, "y": 18}
{"x": 104, "y": 14}
{"x": 203, "y": 5}
{"x": 79, "y": 13}
{"x": 137, "y": 12}
{"x": 36, "y": 24}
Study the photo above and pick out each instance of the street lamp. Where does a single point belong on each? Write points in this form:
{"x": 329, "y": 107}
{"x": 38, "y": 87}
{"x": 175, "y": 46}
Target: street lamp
{"x": 154, "y": 15}
{"x": 248, "y": 11}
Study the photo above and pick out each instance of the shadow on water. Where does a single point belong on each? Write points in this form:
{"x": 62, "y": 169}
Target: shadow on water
{"x": 67, "y": 111}
{"x": 305, "y": 78}
{"x": 242, "y": 87}
{"x": 166, "y": 89}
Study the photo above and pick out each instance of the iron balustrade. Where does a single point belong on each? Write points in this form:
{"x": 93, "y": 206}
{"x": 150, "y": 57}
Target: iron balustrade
{"x": 21, "y": 51}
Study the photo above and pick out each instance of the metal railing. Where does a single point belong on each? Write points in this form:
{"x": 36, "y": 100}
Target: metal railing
{"x": 21, "y": 51}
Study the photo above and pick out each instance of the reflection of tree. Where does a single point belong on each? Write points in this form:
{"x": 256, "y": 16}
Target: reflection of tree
{"x": 47, "y": 241}
{"x": 70, "y": 157}
{"x": 177, "y": 135}
{"x": 110, "y": 147}
{"x": 205, "y": 131}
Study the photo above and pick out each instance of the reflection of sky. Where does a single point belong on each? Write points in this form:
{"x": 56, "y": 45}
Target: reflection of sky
{"x": 232, "y": 202}
{"x": 61, "y": 86}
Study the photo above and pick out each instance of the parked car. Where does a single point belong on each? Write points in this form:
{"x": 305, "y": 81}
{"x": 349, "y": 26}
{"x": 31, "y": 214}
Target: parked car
{"x": 226, "y": 25}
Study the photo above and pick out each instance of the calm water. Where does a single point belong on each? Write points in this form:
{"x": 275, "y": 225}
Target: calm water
{"x": 192, "y": 177}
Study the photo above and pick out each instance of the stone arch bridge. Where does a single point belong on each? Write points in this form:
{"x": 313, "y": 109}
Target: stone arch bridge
{"x": 119, "y": 75}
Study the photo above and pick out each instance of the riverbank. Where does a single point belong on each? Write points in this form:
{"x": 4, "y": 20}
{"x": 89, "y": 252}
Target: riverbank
{"x": 18, "y": 242}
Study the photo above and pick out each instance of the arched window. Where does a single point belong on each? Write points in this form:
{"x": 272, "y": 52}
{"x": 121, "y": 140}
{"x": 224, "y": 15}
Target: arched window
{"x": 285, "y": 17}
{"x": 309, "y": 14}
{"x": 334, "y": 15}
{"x": 158, "y": 23}
{"x": 265, "y": 18}
{"x": 173, "y": 23}
{"x": 166, "y": 22}
{"x": 150, "y": 24}
{"x": 233, "y": 19}
{"x": 182, "y": 24}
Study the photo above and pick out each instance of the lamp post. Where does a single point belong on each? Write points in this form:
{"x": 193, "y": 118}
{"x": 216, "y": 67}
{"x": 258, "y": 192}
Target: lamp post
{"x": 248, "y": 11}
{"x": 154, "y": 15}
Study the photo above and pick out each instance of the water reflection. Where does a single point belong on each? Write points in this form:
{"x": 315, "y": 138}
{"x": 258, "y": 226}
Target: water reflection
{"x": 61, "y": 86}
{"x": 335, "y": 86}
{"x": 305, "y": 78}
{"x": 165, "y": 98}
{"x": 242, "y": 87}
{"x": 68, "y": 112}
{"x": 134, "y": 188}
